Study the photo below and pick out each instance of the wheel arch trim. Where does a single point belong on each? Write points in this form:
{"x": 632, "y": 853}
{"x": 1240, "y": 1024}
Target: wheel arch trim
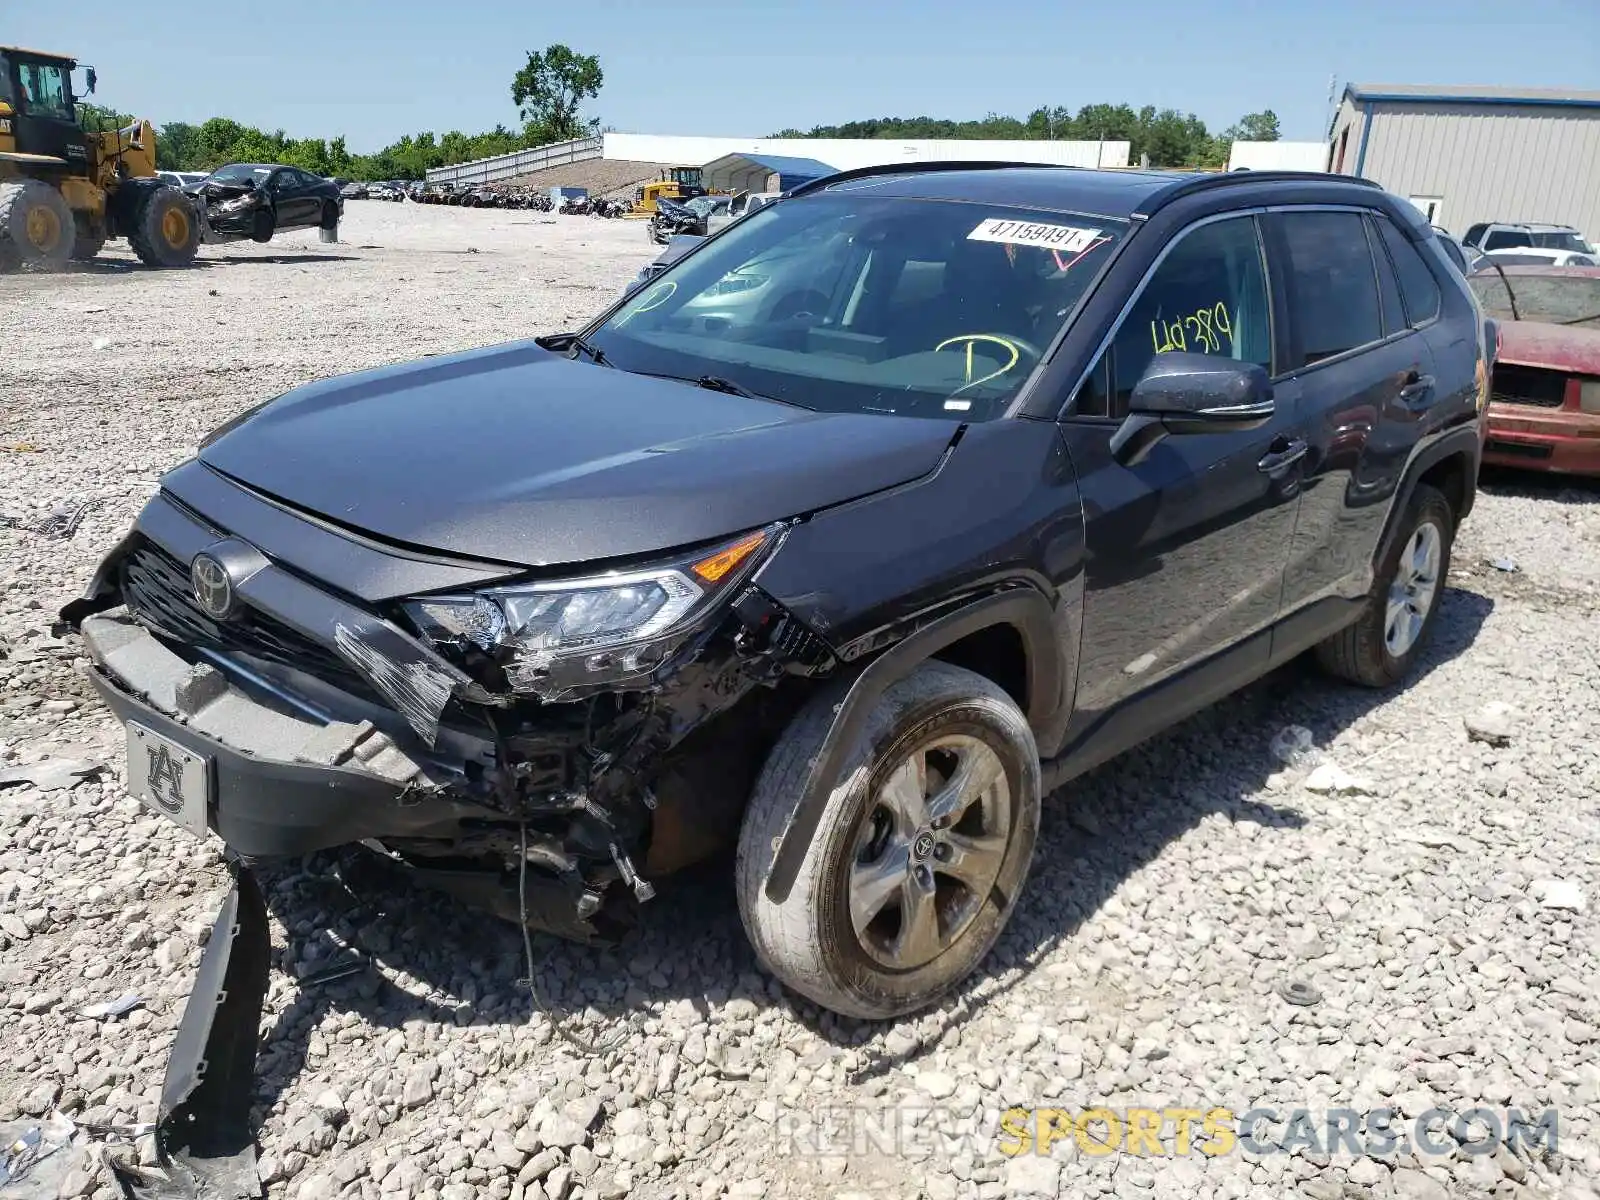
{"x": 1463, "y": 441}
{"x": 1023, "y": 608}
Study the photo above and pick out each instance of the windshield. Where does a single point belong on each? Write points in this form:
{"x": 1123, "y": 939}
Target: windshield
{"x": 239, "y": 173}
{"x": 46, "y": 90}
{"x": 1561, "y": 240}
{"x": 867, "y": 304}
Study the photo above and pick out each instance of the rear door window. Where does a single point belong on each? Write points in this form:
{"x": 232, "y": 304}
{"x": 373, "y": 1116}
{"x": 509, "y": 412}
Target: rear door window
{"x": 1333, "y": 289}
{"x": 1417, "y": 284}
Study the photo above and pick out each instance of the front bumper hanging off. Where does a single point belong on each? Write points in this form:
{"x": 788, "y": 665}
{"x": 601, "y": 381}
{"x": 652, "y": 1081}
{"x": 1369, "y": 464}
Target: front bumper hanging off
{"x": 204, "y": 1144}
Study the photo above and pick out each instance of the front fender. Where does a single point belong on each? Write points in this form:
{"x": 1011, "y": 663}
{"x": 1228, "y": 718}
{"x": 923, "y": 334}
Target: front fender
{"x": 1023, "y": 608}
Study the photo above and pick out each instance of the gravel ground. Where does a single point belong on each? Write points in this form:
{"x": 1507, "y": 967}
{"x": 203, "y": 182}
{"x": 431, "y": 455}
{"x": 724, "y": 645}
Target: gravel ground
{"x": 1176, "y": 890}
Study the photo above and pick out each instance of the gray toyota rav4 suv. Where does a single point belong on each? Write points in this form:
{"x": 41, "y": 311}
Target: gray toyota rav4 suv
{"x": 877, "y": 516}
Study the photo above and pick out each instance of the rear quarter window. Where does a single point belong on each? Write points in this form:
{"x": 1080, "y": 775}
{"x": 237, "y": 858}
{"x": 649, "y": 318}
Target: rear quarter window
{"x": 1418, "y": 286}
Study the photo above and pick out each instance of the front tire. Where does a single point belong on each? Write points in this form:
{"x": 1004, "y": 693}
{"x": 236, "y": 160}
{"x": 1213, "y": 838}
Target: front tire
{"x": 922, "y": 850}
{"x": 165, "y": 231}
{"x": 1383, "y": 646}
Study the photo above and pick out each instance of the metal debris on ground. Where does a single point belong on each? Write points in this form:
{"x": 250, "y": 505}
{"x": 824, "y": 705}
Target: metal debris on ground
{"x": 1503, "y": 564}
{"x": 61, "y": 522}
{"x": 120, "y": 1007}
{"x": 51, "y": 774}
{"x": 24, "y": 1146}
{"x": 1299, "y": 992}
{"x": 1294, "y": 745}
{"x": 342, "y": 966}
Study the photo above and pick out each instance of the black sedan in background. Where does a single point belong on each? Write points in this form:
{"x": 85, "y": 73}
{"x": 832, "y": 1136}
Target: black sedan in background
{"x": 256, "y": 200}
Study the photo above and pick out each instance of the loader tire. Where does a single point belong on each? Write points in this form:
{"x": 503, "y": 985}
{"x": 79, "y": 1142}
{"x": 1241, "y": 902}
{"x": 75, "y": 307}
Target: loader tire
{"x": 164, "y": 230}
{"x": 37, "y": 221}
{"x": 10, "y": 260}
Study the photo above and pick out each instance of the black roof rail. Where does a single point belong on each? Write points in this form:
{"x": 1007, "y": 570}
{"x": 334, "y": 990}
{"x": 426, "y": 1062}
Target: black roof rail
{"x": 1210, "y": 181}
{"x": 922, "y": 168}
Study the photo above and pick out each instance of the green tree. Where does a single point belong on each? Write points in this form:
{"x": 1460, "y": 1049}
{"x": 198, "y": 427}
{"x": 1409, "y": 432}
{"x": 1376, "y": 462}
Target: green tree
{"x": 176, "y": 147}
{"x": 96, "y": 118}
{"x": 1254, "y": 127}
{"x": 549, "y": 88}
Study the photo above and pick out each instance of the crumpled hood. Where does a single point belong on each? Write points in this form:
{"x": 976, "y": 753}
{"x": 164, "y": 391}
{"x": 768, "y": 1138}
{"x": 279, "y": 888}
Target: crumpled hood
{"x": 521, "y": 456}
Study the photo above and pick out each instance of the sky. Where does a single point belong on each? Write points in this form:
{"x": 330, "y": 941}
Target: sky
{"x": 375, "y": 69}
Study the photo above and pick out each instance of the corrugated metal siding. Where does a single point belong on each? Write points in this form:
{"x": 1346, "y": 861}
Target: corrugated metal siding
{"x": 1347, "y": 124}
{"x": 1494, "y": 163}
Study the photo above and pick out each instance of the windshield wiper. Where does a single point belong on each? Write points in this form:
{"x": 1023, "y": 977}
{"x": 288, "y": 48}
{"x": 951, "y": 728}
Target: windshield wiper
{"x": 716, "y": 383}
{"x": 596, "y": 355}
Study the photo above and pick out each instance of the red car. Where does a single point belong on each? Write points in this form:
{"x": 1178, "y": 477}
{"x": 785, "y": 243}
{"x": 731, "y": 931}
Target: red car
{"x": 1544, "y": 407}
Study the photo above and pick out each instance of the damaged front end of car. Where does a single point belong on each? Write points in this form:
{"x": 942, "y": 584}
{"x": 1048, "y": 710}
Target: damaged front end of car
{"x": 542, "y": 749}
{"x": 446, "y": 731}
{"x": 231, "y": 211}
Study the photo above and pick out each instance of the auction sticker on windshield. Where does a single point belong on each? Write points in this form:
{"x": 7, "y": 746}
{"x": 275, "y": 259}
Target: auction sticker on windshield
{"x": 1030, "y": 233}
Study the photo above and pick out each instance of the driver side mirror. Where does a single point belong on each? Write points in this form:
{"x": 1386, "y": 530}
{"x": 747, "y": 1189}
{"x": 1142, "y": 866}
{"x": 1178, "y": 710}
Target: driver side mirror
{"x": 89, "y": 79}
{"x": 1182, "y": 393}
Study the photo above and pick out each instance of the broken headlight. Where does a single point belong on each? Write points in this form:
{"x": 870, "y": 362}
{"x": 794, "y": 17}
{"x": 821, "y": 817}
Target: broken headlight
{"x": 553, "y": 638}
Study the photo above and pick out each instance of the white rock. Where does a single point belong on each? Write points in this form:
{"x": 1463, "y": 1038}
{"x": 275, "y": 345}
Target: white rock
{"x": 1557, "y": 893}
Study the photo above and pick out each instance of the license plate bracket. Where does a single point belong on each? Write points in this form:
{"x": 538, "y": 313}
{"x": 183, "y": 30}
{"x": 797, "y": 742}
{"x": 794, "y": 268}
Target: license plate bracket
{"x": 168, "y": 778}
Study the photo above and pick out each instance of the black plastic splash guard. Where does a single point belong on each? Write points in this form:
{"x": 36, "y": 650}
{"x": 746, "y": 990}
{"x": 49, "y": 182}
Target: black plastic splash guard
{"x": 203, "y": 1138}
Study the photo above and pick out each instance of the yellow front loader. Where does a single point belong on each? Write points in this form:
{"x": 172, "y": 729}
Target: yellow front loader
{"x": 65, "y": 191}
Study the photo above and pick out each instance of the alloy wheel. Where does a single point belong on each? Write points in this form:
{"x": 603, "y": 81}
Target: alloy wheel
{"x": 930, "y": 851}
{"x": 1415, "y": 586}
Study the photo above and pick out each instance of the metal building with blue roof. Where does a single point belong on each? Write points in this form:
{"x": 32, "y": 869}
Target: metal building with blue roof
{"x": 1465, "y": 155}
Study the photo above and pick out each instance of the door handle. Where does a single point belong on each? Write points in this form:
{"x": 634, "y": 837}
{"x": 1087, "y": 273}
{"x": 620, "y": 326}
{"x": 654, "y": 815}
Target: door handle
{"x": 1418, "y": 389}
{"x": 1284, "y": 454}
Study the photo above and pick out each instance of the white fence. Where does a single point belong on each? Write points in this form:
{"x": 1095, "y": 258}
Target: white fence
{"x": 520, "y": 162}
{"x": 1279, "y": 156}
{"x": 846, "y": 154}
{"x": 843, "y": 154}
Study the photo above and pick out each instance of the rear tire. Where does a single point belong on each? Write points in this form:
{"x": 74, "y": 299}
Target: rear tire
{"x": 164, "y": 231}
{"x": 1383, "y": 646}
{"x": 38, "y": 223}
{"x": 848, "y": 934}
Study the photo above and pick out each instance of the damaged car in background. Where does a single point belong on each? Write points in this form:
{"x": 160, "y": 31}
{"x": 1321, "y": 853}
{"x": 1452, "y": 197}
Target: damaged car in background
{"x": 1544, "y": 409}
{"x": 256, "y": 201}
{"x": 836, "y": 545}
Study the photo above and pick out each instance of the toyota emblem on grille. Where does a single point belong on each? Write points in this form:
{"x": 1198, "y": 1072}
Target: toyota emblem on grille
{"x": 213, "y": 590}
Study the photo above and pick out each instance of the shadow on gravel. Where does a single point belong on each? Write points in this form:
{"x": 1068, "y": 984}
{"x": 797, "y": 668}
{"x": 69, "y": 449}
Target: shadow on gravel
{"x": 1097, "y": 832}
{"x": 1539, "y": 485}
{"x": 106, "y": 266}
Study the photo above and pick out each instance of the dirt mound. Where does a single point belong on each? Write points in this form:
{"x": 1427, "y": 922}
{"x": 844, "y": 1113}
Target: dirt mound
{"x": 602, "y": 176}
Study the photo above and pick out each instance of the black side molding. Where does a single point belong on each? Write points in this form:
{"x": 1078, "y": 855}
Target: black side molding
{"x": 1024, "y": 608}
{"x": 1463, "y": 439}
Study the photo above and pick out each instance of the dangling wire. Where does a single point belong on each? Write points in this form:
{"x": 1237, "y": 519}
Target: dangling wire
{"x": 539, "y": 1006}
